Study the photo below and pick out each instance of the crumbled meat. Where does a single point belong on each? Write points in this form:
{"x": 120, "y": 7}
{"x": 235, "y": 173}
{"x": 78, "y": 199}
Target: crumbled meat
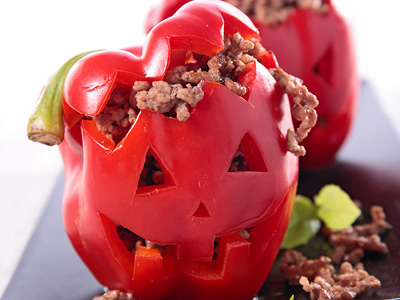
{"x": 379, "y": 223}
{"x": 345, "y": 286}
{"x": 115, "y": 295}
{"x": 245, "y": 233}
{"x": 115, "y": 119}
{"x": 303, "y": 109}
{"x": 161, "y": 97}
{"x": 178, "y": 92}
{"x": 352, "y": 241}
{"x": 274, "y": 12}
{"x": 318, "y": 277}
{"x": 294, "y": 265}
{"x": 224, "y": 68}
{"x": 341, "y": 253}
{"x": 235, "y": 87}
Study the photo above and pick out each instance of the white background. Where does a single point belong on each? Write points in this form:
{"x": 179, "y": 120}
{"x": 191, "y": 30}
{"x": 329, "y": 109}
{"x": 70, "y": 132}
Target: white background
{"x": 36, "y": 37}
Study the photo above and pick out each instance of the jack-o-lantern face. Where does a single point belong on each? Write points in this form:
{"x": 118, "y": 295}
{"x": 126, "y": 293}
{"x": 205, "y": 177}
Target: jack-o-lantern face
{"x": 316, "y": 46}
{"x": 205, "y": 228}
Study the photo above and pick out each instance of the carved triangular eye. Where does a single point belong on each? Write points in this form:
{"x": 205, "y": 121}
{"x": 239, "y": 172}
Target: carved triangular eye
{"x": 152, "y": 173}
{"x": 248, "y": 157}
{"x": 324, "y": 65}
{"x": 202, "y": 211}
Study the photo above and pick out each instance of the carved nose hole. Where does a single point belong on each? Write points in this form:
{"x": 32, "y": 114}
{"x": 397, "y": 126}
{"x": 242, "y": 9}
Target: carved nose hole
{"x": 202, "y": 211}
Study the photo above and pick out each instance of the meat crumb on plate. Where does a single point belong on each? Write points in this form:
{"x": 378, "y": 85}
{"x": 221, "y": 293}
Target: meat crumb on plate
{"x": 351, "y": 243}
{"x": 115, "y": 295}
{"x": 303, "y": 109}
{"x": 294, "y": 265}
{"x": 346, "y": 285}
{"x": 320, "y": 278}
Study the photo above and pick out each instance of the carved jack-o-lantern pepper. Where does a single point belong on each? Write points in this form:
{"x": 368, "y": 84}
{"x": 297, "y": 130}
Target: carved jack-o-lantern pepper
{"x": 178, "y": 180}
{"x": 313, "y": 42}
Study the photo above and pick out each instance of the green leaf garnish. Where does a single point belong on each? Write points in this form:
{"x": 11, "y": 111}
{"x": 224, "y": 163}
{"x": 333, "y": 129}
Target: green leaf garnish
{"x": 332, "y": 205}
{"x": 335, "y": 207}
{"x": 303, "y": 225}
{"x": 292, "y": 298}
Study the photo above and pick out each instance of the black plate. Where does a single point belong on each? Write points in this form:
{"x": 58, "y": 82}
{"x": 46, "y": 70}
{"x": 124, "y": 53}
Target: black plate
{"x": 368, "y": 168}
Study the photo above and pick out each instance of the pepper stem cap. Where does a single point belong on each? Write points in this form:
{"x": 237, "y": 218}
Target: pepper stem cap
{"x": 46, "y": 124}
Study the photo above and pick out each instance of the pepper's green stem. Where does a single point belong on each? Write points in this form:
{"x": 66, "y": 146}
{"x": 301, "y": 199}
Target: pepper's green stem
{"x": 46, "y": 123}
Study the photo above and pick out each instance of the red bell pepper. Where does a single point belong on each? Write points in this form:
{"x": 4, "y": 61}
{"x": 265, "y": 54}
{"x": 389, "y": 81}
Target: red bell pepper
{"x": 214, "y": 234}
{"x": 316, "y": 47}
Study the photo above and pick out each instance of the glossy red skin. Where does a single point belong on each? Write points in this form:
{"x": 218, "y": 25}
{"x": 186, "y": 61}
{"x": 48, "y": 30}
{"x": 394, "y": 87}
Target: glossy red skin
{"x": 101, "y": 178}
{"x": 300, "y": 44}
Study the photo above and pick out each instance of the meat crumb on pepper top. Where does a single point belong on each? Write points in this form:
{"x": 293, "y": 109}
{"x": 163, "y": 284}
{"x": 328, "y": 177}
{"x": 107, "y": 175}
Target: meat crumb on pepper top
{"x": 180, "y": 91}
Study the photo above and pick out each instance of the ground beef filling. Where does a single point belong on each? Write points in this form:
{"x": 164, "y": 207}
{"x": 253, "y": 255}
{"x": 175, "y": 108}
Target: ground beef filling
{"x": 343, "y": 286}
{"x": 294, "y": 265}
{"x": 303, "y": 109}
{"x": 350, "y": 243}
{"x": 178, "y": 92}
{"x": 161, "y": 97}
{"x": 319, "y": 277}
{"x": 274, "y": 12}
{"x": 118, "y": 115}
{"x": 224, "y": 68}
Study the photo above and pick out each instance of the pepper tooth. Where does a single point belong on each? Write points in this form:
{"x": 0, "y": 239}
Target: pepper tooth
{"x": 148, "y": 264}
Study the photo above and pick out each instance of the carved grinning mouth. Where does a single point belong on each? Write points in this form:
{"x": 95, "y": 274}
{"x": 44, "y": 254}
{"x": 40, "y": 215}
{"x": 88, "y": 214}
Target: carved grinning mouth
{"x": 235, "y": 254}
{"x": 132, "y": 241}
{"x": 137, "y": 255}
